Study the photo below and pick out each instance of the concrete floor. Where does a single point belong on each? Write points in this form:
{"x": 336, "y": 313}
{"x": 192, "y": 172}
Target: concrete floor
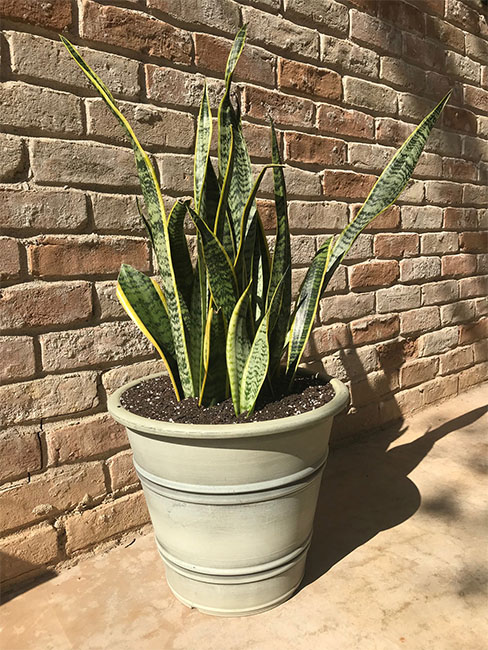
{"x": 399, "y": 560}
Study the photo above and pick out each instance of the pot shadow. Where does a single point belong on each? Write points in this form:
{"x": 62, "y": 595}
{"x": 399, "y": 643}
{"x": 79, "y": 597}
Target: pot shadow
{"x": 366, "y": 490}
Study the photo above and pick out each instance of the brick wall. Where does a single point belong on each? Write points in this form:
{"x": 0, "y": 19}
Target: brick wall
{"x": 345, "y": 82}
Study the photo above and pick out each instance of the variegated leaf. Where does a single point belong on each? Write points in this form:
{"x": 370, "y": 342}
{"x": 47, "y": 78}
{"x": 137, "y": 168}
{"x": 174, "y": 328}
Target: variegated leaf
{"x": 238, "y": 347}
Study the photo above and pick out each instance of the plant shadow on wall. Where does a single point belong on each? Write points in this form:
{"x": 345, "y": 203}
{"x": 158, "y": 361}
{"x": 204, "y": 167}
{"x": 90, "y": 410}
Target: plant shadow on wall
{"x": 366, "y": 489}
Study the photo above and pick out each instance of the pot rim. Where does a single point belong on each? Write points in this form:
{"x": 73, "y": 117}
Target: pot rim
{"x": 165, "y": 429}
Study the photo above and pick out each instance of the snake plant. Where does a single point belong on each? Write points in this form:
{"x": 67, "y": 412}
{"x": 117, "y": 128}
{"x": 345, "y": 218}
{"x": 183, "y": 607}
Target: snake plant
{"x": 225, "y": 325}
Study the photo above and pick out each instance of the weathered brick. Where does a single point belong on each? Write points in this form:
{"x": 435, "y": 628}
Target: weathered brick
{"x": 136, "y": 31}
{"x": 338, "y": 282}
{"x": 52, "y": 492}
{"x": 52, "y": 256}
{"x": 437, "y": 342}
{"x": 481, "y": 306}
{"x": 474, "y": 194}
{"x": 419, "y": 269}
{"x": 55, "y": 14}
{"x": 352, "y": 364}
{"x": 392, "y": 131}
{"x": 218, "y": 14}
{"x": 347, "y": 185}
{"x": 445, "y": 33}
{"x": 439, "y": 389}
{"x": 373, "y": 388}
{"x": 458, "y": 312}
{"x": 389, "y": 219}
{"x": 20, "y": 451}
{"x": 365, "y": 94}
{"x": 471, "y": 332}
{"x": 459, "y": 119}
{"x": 472, "y": 376}
{"x": 50, "y": 396}
{"x": 85, "y": 438}
{"x": 419, "y": 49}
{"x": 402, "y": 14}
{"x": 398, "y": 73}
{"x": 27, "y": 553}
{"x": 403, "y": 404}
{"x": 255, "y": 64}
{"x": 373, "y": 274}
{"x": 460, "y": 13}
{"x": 374, "y": 328}
{"x": 42, "y": 210}
{"x": 460, "y": 219}
{"x": 39, "y": 304}
{"x": 345, "y": 308}
{"x": 302, "y": 249}
{"x": 417, "y": 372}
{"x": 425, "y": 217}
{"x": 299, "y": 182}
{"x": 443, "y": 242}
{"x": 11, "y": 158}
{"x": 458, "y": 265}
{"x": 295, "y": 111}
{"x": 155, "y": 127}
{"x": 315, "y": 150}
{"x": 444, "y": 143}
{"x": 388, "y": 245}
{"x": 480, "y": 351}
{"x": 340, "y": 121}
{"x": 462, "y": 67}
{"x": 10, "y": 256}
{"x": 83, "y": 163}
{"x": 269, "y": 30}
{"x": 309, "y": 80}
{"x": 473, "y": 242}
{"x": 17, "y": 353}
{"x": 106, "y": 521}
{"x": 351, "y": 58}
{"x": 324, "y": 14}
{"x": 362, "y": 249}
{"x": 369, "y": 157}
{"x": 476, "y": 98}
{"x": 42, "y": 109}
{"x": 107, "y": 303}
{"x": 92, "y": 345}
{"x": 482, "y": 264}
{"x": 455, "y": 360}
{"x": 397, "y": 298}
{"x": 473, "y": 287}
{"x": 41, "y": 58}
{"x": 115, "y": 213}
{"x": 420, "y": 320}
{"x": 372, "y": 31}
{"x": 122, "y": 471}
{"x": 476, "y": 48}
{"x": 176, "y": 172}
{"x": 443, "y": 192}
{"x": 173, "y": 87}
{"x": 258, "y": 140}
{"x": 117, "y": 377}
{"x": 323, "y": 216}
{"x": 439, "y": 292}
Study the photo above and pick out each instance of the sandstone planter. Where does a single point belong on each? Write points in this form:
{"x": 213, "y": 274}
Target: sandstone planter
{"x": 232, "y": 505}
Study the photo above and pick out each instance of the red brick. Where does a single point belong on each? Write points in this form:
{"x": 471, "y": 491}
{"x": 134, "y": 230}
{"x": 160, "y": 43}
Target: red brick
{"x": 395, "y": 353}
{"x": 403, "y": 15}
{"x": 315, "y": 150}
{"x": 51, "y": 396}
{"x": 389, "y": 219}
{"x": 17, "y": 353}
{"x": 27, "y": 553}
{"x": 418, "y": 371}
{"x": 459, "y": 170}
{"x": 374, "y": 328}
{"x": 448, "y": 35}
{"x": 473, "y": 287}
{"x": 90, "y": 346}
{"x": 106, "y": 521}
{"x": 418, "y": 49}
{"x": 122, "y": 471}
{"x": 51, "y": 493}
{"x": 255, "y": 65}
{"x": 86, "y": 438}
{"x": 471, "y": 332}
{"x": 347, "y": 185}
{"x": 460, "y": 219}
{"x": 134, "y": 31}
{"x": 337, "y": 120}
{"x": 477, "y": 98}
{"x": 372, "y": 31}
{"x": 55, "y": 14}
{"x": 373, "y": 274}
{"x": 456, "y": 360}
{"x": 309, "y": 80}
{"x": 473, "y": 242}
{"x": 399, "y": 245}
{"x": 459, "y": 119}
{"x": 10, "y": 256}
{"x": 398, "y": 73}
{"x": 461, "y": 14}
{"x": 443, "y": 192}
{"x": 52, "y": 256}
{"x": 458, "y": 265}
{"x": 258, "y": 140}
{"x": 39, "y": 304}
{"x": 293, "y": 111}
{"x": 474, "y": 194}
{"x": 420, "y": 320}
{"x": 20, "y": 451}
{"x": 391, "y": 131}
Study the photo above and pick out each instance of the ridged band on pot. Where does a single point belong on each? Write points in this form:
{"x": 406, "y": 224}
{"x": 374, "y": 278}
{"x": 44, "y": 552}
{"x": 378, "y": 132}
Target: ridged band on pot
{"x": 233, "y": 457}
{"x": 233, "y": 534}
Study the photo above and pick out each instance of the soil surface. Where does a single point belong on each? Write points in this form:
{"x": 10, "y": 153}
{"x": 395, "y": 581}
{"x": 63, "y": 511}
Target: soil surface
{"x": 155, "y": 398}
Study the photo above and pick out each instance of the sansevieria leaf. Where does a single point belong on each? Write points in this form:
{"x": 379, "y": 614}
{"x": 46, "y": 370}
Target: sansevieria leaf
{"x": 156, "y": 220}
{"x": 238, "y": 347}
{"x": 180, "y": 254}
{"x": 142, "y": 300}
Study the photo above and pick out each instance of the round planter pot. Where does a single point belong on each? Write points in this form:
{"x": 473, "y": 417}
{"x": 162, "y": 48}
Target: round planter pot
{"x": 232, "y": 505}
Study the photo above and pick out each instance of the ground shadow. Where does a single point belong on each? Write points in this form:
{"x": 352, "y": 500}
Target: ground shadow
{"x": 27, "y": 575}
{"x": 366, "y": 489}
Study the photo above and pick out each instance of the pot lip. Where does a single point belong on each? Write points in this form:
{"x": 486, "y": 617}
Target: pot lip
{"x": 165, "y": 429}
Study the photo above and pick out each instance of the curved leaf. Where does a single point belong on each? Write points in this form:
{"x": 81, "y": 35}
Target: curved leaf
{"x": 180, "y": 255}
{"x": 238, "y": 347}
